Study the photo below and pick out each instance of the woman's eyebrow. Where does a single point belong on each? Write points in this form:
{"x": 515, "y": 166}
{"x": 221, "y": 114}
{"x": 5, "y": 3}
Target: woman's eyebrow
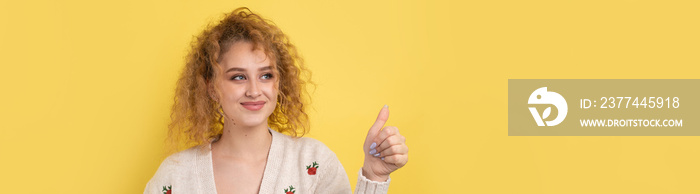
{"x": 241, "y": 69}
{"x": 265, "y": 68}
{"x": 235, "y": 69}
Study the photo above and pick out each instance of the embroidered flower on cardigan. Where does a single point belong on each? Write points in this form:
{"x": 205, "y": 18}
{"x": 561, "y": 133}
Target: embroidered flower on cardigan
{"x": 290, "y": 190}
{"x": 311, "y": 169}
{"x": 168, "y": 189}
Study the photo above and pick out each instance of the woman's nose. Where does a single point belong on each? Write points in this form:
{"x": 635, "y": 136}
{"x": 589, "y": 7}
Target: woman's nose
{"x": 253, "y": 89}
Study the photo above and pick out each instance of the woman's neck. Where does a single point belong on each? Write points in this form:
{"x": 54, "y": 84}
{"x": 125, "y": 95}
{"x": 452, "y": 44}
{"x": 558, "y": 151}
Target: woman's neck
{"x": 249, "y": 143}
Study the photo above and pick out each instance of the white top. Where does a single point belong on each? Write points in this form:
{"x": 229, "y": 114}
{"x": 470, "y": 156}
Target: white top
{"x": 304, "y": 164}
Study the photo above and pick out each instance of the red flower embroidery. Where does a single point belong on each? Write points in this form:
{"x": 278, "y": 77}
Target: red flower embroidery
{"x": 311, "y": 169}
{"x": 168, "y": 189}
{"x": 290, "y": 190}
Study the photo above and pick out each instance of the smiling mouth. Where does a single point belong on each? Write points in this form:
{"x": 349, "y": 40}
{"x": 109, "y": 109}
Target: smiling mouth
{"x": 253, "y": 105}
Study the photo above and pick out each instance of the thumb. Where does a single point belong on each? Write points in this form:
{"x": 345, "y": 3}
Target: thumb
{"x": 378, "y": 124}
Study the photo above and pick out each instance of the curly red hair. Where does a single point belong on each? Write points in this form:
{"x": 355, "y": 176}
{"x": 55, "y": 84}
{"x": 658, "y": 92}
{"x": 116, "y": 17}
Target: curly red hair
{"x": 195, "y": 116}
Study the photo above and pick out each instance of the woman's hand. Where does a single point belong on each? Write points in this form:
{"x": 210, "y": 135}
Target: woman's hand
{"x": 385, "y": 149}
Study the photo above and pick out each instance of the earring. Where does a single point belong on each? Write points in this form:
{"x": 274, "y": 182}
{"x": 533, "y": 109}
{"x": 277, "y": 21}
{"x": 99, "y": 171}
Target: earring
{"x": 222, "y": 113}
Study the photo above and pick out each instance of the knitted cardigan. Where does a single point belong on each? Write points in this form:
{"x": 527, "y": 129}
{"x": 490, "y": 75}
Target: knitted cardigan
{"x": 294, "y": 166}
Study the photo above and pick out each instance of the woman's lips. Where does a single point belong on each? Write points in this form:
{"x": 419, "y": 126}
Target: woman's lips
{"x": 253, "y": 105}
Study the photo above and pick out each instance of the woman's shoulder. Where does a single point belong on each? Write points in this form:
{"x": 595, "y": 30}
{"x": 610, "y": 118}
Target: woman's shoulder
{"x": 305, "y": 146}
{"x": 174, "y": 168}
{"x": 304, "y": 143}
{"x": 182, "y": 158}
{"x": 310, "y": 143}
{"x": 180, "y": 161}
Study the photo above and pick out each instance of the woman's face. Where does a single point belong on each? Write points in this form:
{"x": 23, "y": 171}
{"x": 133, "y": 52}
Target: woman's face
{"x": 248, "y": 85}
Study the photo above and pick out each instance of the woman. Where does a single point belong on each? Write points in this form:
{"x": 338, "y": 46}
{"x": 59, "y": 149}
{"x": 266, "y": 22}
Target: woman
{"x": 241, "y": 90}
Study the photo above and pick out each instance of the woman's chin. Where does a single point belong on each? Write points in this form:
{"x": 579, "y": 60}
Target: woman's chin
{"x": 252, "y": 122}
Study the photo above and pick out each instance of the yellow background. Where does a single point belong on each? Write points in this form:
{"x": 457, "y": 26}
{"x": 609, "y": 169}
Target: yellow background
{"x": 87, "y": 86}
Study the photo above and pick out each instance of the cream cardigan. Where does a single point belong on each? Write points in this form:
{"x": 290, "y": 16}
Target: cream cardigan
{"x": 294, "y": 166}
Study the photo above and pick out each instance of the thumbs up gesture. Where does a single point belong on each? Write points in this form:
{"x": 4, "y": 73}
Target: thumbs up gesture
{"x": 385, "y": 149}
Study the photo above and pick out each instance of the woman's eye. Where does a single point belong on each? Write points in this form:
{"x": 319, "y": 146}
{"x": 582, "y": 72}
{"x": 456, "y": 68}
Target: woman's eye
{"x": 238, "y": 77}
{"x": 267, "y": 76}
